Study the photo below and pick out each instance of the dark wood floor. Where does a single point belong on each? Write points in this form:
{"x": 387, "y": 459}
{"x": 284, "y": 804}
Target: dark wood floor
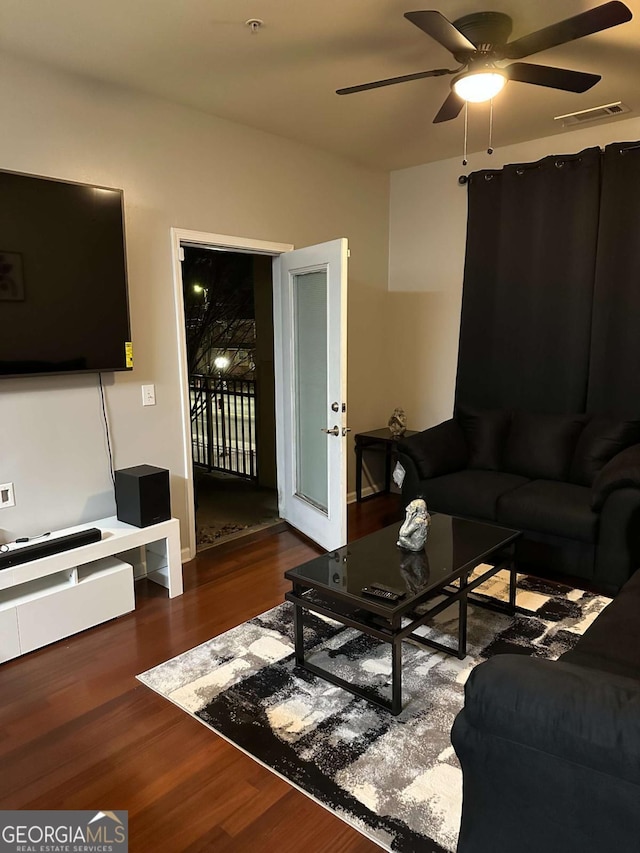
{"x": 77, "y": 731}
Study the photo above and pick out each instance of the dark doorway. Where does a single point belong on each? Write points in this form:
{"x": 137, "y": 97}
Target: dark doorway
{"x": 228, "y": 299}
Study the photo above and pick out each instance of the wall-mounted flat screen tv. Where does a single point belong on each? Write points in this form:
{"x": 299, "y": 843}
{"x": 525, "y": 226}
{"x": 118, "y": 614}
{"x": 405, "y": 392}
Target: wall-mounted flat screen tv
{"x": 63, "y": 277}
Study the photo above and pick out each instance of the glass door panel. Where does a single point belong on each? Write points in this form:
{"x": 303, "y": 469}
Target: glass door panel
{"x": 310, "y": 299}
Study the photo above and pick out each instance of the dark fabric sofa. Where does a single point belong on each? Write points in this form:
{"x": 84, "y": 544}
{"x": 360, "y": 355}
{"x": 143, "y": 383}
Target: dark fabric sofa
{"x": 550, "y": 750}
{"x": 570, "y": 483}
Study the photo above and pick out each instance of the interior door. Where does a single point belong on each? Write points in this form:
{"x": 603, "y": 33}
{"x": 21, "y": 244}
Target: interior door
{"x": 310, "y": 327}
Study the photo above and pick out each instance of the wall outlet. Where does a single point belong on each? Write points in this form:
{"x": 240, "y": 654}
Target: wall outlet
{"x": 148, "y": 395}
{"x": 7, "y": 495}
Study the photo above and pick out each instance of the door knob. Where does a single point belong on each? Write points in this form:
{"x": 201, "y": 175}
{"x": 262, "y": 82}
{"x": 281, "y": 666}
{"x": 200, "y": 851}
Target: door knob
{"x": 334, "y": 431}
{"x": 345, "y": 430}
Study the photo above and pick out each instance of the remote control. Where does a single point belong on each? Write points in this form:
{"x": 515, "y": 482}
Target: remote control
{"x": 383, "y": 594}
{"x": 399, "y": 592}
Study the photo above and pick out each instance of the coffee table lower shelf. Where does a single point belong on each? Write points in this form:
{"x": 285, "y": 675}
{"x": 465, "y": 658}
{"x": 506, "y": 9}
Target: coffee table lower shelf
{"x": 305, "y": 598}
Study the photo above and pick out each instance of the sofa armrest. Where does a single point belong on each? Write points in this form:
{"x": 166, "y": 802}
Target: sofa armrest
{"x": 620, "y": 472}
{"x": 618, "y": 544}
{"x": 438, "y": 450}
{"x": 581, "y": 715}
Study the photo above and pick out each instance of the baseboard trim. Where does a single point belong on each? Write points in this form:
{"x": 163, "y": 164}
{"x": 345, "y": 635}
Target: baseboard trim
{"x": 367, "y": 491}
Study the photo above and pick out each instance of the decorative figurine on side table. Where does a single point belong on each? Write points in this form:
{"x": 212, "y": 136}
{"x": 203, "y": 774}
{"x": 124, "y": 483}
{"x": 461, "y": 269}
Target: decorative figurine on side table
{"x": 413, "y": 533}
{"x": 398, "y": 423}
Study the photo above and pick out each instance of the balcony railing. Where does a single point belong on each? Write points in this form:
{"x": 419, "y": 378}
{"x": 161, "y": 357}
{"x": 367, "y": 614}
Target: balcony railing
{"x": 223, "y": 424}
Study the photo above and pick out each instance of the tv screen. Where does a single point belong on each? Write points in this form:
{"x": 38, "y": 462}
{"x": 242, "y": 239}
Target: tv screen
{"x": 63, "y": 279}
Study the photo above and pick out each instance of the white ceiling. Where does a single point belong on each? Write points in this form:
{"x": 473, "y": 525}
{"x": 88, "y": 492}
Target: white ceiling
{"x": 283, "y": 78}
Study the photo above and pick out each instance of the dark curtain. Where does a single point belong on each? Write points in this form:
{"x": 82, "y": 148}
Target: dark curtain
{"x": 614, "y": 374}
{"x": 528, "y": 285}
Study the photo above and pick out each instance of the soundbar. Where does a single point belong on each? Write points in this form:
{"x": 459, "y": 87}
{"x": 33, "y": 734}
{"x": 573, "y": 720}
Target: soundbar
{"x": 24, "y": 554}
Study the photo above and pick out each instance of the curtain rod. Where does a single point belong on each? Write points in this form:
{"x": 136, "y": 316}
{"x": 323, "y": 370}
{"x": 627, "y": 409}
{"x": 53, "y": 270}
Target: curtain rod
{"x": 464, "y": 179}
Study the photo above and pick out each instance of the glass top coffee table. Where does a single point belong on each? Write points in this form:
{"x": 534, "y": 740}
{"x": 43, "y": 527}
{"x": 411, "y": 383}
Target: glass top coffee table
{"x": 331, "y": 586}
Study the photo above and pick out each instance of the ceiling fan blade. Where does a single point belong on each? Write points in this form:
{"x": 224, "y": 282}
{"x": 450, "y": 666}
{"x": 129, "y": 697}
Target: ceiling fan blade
{"x": 450, "y": 109}
{"x": 594, "y": 21}
{"x": 391, "y": 81}
{"x": 554, "y": 78}
{"x": 442, "y": 30}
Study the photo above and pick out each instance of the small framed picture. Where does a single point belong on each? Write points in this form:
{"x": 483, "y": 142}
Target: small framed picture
{"x": 11, "y": 277}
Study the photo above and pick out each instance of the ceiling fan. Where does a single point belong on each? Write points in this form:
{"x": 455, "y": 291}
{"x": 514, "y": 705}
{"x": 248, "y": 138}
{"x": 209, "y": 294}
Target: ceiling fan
{"x": 479, "y": 41}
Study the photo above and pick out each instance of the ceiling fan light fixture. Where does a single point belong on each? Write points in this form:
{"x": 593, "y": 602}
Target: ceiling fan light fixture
{"x": 479, "y": 86}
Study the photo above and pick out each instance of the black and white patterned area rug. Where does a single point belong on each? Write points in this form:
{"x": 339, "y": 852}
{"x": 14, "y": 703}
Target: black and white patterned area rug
{"x": 395, "y": 779}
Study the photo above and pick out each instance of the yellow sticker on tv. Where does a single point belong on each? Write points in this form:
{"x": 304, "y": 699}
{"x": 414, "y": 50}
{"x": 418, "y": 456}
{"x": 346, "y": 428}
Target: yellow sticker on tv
{"x": 128, "y": 353}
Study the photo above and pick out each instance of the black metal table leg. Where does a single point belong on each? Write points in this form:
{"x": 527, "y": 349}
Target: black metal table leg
{"x": 298, "y": 630}
{"x": 513, "y": 586}
{"x": 462, "y": 618}
{"x": 358, "y": 471}
{"x": 387, "y": 467}
{"x": 396, "y": 677}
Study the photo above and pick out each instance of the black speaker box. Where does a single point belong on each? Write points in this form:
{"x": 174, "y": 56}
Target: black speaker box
{"x": 142, "y": 495}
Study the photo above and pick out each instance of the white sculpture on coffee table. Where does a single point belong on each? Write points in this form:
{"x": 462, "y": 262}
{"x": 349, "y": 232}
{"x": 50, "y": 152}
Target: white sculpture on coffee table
{"x": 413, "y": 533}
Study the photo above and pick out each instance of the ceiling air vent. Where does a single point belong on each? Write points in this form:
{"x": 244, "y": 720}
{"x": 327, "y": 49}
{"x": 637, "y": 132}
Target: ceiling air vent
{"x": 594, "y": 114}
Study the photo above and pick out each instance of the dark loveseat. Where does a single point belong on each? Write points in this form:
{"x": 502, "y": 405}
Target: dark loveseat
{"x": 550, "y": 750}
{"x": 571, "y": 483}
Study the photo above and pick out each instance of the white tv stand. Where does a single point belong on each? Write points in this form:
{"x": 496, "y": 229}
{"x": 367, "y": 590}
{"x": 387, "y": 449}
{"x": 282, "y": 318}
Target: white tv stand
{"x": 53, "y": 597}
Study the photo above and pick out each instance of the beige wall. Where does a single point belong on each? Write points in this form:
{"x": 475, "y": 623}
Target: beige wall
{"x": 178, "y": 168}
{"x": 427, "y": 231}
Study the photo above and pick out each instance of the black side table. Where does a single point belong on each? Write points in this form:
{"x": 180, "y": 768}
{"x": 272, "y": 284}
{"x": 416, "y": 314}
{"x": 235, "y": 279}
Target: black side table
{"x": 379, "y": 440}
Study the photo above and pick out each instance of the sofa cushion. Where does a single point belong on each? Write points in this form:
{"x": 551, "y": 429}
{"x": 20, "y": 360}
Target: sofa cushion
{"x": 612, "y": 643}
{"x": 599, "y": 442}
{"x": 437, "y": 450}
{"x": 546, "y": 506}
{"x": 540, "y": 446}
{"x": 473, "y": 494}
{"x": 486, "y": 433}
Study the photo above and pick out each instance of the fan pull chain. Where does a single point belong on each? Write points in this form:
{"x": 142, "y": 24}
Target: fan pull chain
{"x": 466, "y": 127}
{"x": 490, "y": 148}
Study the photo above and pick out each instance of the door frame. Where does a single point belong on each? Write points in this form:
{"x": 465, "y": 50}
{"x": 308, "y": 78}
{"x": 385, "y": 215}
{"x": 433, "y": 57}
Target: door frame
{"x": 216, "y": 242}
